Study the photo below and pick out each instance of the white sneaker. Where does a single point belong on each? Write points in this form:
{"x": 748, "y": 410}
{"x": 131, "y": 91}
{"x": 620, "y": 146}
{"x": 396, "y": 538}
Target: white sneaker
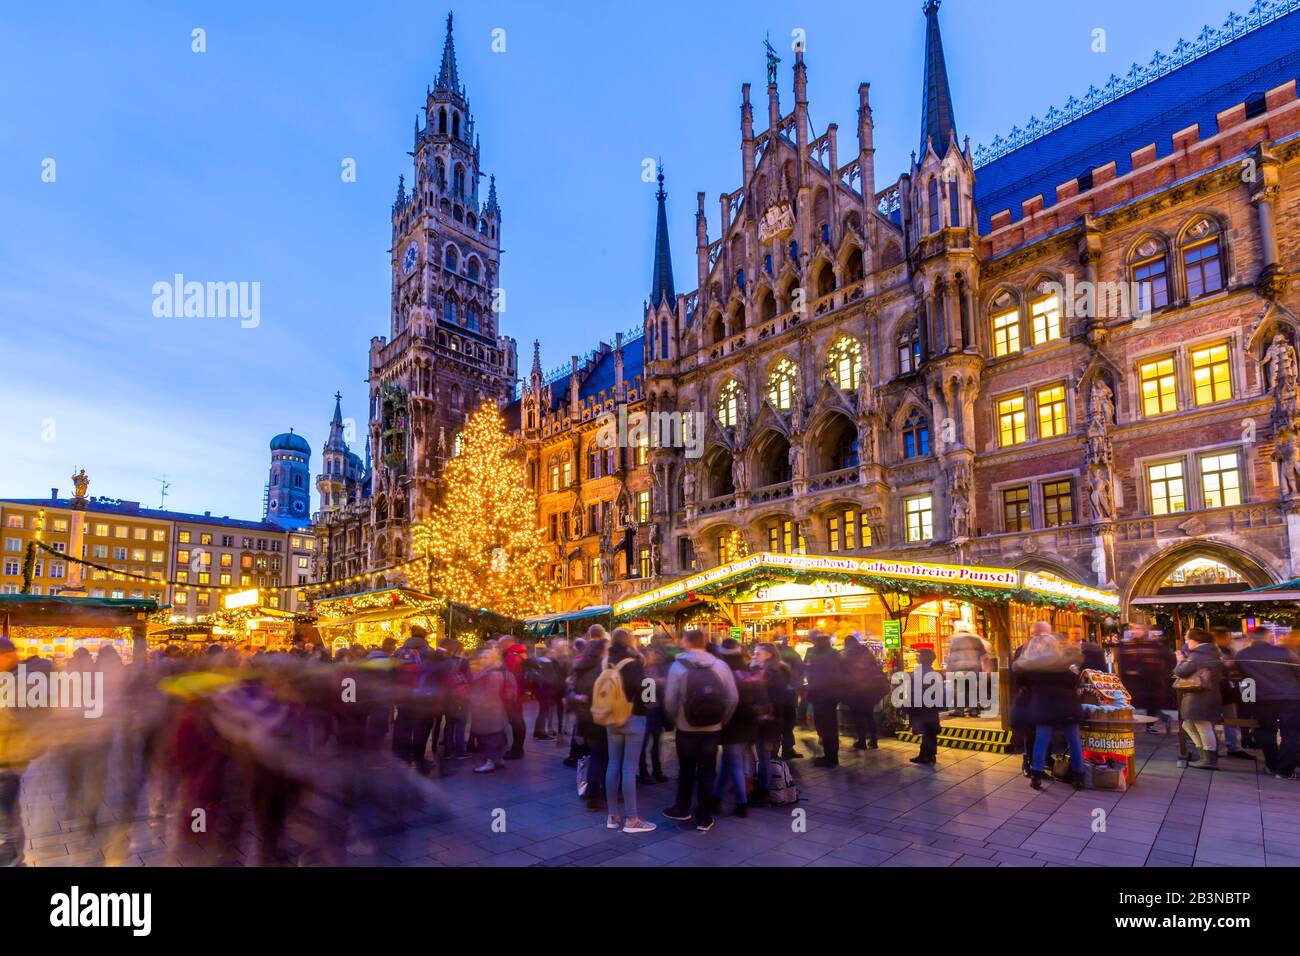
{"x": 637, "y": 825}
{"x": 612, "y": 822}
{"x": 487, "y": 767}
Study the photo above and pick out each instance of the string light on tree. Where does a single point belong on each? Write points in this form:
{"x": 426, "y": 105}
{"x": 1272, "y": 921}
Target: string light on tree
{"x": 482, "y": 546}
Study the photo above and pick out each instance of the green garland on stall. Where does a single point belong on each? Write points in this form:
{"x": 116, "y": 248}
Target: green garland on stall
{"x": 749, "y": 581}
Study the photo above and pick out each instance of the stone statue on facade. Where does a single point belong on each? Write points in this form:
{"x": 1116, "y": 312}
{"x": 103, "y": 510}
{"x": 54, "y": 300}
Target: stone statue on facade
{"x": 1286, "y": 452}
{"x": 739, "y": 473}
{"x": 959, "y": 513}
{"x": 1100, "y": 496}
{"x": 688, "y": 486}
{"x": 798, "y": 460}
{"x": 1282, "y": 375}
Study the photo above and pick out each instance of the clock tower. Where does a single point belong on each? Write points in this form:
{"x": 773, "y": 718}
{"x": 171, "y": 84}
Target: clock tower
{"x": 444, "y": 355}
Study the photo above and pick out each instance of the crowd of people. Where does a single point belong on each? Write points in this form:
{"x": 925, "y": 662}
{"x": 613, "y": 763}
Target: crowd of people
{"x": 326, "y": 753}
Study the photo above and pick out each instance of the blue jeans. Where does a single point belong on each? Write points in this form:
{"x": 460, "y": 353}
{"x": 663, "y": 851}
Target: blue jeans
{"x": 1043, "y": 740}
{"x": 732, "y": 771}
{"x": 494, "y": 746}
{"x": 624, "y": 750}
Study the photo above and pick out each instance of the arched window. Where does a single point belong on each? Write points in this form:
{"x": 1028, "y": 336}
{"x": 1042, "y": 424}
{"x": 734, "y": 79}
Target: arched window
{"x": 730, "y": 404}
{"x": 455, "y": 125}
{"x": 440, "y": 173}
{"x": 1149, "y": 273}
{"x": 954, "y": 204}
{"x": 663, "y": 338}
{"x": 932, "y": 203}
{"x": 472, "y": 269}
{"x": 782, "y": 384}
{"x": 449, "y": 311}
{"x": 442, "y": 121}
{"x": 844, "y": 362}
{"x": 916, "y": 435}
{"x": 471, "y": 318}
{"x": 1203, "y": 258}
{"x": 824, "y": 284}
{"x": 458, "y": 181}
{"x": 717, "y": 329}
{"x": 908, "y": 349}
{"x": 450, "y": 259}
{"x": 454, "y": 396}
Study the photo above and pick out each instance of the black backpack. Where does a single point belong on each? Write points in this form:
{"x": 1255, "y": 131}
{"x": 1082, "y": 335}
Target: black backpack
{"x": 704, "y": 701}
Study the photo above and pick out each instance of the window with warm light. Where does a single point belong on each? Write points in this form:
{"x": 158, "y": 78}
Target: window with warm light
{"x": 1006, "y": 333}
{"x": 642, "y": 507}
{"x": 728, "y": 406}
{"x": 844, "y": 362}
{"x": 1159, "y": 383}
{"x": 1165, "y": 485}
{"x": 1211, "y": 374}
{"x": 918, "y": 512}
{"x": 1011, "y": 420}
{"x": 1045, "y": 318}
{"x": 781, "y": 385}
{"x": 1051, "y": 411}
{"x": 1221, "y": 480}
{"x": 724, "y": 549}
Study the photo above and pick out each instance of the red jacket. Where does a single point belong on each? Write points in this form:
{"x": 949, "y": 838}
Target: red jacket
{"x": 513, "y": 660}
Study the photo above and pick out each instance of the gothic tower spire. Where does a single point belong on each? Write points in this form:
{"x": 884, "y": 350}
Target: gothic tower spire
{"x": 661, "y": 283}
{"x": 937, "y": 120}
{"x": 447, "y": 76}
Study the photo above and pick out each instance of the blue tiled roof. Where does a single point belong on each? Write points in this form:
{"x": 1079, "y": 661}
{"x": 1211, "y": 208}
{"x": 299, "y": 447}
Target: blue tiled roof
{"x": 1194, "y": 93}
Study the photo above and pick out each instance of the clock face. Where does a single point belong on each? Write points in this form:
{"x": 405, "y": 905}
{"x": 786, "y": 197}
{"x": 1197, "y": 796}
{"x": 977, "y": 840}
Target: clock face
{"x": 411, "y": 257}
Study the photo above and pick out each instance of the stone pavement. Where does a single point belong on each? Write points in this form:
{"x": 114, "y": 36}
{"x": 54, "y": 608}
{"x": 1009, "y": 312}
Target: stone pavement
{"x": 973, "y": 809}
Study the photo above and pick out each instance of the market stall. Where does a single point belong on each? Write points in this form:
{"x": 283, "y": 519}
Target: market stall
{"x": 900, "y": 606}
{"x": 568, "y": 623}
{"x": 245, "y": 619}
{"x": 53, "y": 626}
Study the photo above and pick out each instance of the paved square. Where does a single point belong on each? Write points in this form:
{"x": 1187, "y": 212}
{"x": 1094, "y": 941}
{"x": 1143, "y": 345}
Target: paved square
{"x": 877, "y": 809}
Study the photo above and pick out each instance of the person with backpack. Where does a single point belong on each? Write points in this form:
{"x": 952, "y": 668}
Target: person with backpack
{"x": 513, "y": 655}
{"x": 827, "y": 678}
{"x": 740, "y": 733}
{"x": 867, "y": 686}
{"x": 489, "y": 688}
{"x": 618, "y": 705}
{"x": 699, "y": 698}
{"x": 585, "y": 671}
{"x": 656, "y": 669}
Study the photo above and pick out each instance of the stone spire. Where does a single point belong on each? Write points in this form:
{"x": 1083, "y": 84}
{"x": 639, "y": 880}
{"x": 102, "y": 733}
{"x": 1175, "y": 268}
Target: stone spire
{"x": 661, "y": 283}
{"x": 492, "y": 208}
{"x": 937, "y": 120}
{"x": 448, "y": 79}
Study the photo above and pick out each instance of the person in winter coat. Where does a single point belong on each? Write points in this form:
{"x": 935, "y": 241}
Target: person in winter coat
{"x": 1022, "y": 728}
{"x": 700, "y": 698}
{"x": 513, "y": 655}
{"x": 867, "y": 685}
{"x": 489, "y": 685}
{"x": 1049, "y": 669}
{"x": 1276, "y": 676}
{"x": 18, "y": 747}
{"x": 1144, "y": 666}
{"x": 417, "y": 703}
{"x": 1200, "y": 706}
{"x": 789, "y": 705}
{"x": 547, "y": 683}
{"x": 740, "y": 733}
{"x": 1230, "y": 690}
{"x": 585, "y": 671}
{"x": 625, "y": 740}
{"x": 967, "y": 653}
{"x": 923, "y": 719}
{"x": 775, "y": 674}
{"x": 827, "y": 682}
{"x": 656, "y": 669}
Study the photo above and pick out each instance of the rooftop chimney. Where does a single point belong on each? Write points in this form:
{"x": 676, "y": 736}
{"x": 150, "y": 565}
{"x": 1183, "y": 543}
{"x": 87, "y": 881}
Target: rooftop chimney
{"x": 54, "y": 494}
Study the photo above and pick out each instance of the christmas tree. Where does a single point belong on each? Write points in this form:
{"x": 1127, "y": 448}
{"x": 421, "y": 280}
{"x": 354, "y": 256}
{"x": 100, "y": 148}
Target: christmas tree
{"x": 482, "y": 543}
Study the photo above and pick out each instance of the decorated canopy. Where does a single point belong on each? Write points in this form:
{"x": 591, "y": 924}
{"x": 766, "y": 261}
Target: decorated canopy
{"x": 732, "y": 583}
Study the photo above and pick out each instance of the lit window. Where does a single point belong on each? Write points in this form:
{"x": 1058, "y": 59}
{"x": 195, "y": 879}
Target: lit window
{"x": 1011, "y": 420}
{"x": 1051, "y": 411}
{"x": 1165, "y": 483}
{"x": 844, "y": 362}
{"x": 781, "y": 385}
{"x": 724, "y": 549}
{"x": 644, "y": 561}
{"x": 1015, "y": 509}
{"x": 1045, "y": 314}
{"x": 1058, "y": 504}
{"x": 864, "y": 531}
{"x": 642, "y": 507}
{"x": 183, "y": 537}
{"x": 101, "y": 531}
{"x": 1203, "y": 268}
{"x": 833, "y": 533}
{"x": 593, "y": 569}
{"x": 1221, "y": 480}
{"x": 919, "y": 512}
{"x": 641, "y": 451}
{"x": 1159, "y": 383}
{"x": 728, "y": 407}
{"x": 849, "y": 526}
{"x": 1006, "y": 332}
{"x": 1211, "y": 374}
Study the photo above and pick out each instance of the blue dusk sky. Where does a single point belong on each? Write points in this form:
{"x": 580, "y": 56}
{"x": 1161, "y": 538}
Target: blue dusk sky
{"x": 225, "y": 166}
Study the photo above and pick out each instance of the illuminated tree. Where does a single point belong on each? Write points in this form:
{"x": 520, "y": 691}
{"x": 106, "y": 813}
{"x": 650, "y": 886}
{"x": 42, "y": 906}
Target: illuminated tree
{"x": 482, "y": 543}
